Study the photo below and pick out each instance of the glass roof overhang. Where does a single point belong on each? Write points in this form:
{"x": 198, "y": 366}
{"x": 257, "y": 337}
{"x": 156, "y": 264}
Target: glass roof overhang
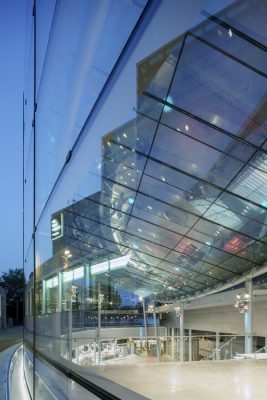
{"x": 184, "y": 185}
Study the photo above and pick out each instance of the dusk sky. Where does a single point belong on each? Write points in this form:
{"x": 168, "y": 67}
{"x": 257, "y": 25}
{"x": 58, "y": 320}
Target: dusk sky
{"x": 12, "y": 25}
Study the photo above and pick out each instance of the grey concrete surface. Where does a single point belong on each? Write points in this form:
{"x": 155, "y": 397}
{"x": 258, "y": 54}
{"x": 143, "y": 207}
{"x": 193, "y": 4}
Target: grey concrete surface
{"x": 5, "y": 357}
{"x": 10, "y": 336}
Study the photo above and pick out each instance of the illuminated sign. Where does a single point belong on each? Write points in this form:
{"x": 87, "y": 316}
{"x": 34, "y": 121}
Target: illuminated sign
{"x": 57, "y": 226}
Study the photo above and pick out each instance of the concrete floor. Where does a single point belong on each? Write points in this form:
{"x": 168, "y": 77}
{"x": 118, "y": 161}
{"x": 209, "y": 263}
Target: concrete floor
{"x": 220, "y": 380}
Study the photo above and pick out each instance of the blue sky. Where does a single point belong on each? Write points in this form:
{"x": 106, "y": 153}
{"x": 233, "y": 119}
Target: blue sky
{"x": 12, "y": 25}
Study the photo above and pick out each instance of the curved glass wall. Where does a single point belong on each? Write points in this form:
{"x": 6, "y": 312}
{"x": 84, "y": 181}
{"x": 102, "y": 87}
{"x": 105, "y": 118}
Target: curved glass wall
{"x": 145, "y": 167}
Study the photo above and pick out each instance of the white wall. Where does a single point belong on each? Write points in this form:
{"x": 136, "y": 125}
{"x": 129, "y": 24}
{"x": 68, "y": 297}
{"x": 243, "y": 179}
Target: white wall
{"x": 224, "y": 319}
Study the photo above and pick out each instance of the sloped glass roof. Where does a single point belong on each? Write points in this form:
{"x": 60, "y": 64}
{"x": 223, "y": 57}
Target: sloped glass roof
{"x": 184, "y": 184}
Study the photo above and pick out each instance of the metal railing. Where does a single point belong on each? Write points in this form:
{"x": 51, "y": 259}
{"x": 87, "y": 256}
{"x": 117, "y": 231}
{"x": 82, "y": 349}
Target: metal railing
{"x": 216, "y": 352}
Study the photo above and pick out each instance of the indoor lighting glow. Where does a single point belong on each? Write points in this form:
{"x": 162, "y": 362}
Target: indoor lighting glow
{"x": 242, "y": 303}
{"x": 78, "y": 273}
{"x": 110, "y": 265}
{"x": 168, "y": 108}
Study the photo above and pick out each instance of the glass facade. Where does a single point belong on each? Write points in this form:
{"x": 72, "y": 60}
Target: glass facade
{"x": 144, "y": 174}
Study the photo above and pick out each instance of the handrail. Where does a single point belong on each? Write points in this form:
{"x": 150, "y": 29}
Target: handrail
{"x": 8, "y": 372}
{"x": 219, "y": 349}
{"x": 90, "y": 386}
{"x": 262, "y": 348}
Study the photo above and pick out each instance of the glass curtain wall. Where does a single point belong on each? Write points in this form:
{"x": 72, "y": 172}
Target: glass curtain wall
{"x": 144, "y": 165}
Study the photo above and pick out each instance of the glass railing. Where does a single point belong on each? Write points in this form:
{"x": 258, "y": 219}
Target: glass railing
{"x": 130, "y": 345}
{"x": 79, "y": 366}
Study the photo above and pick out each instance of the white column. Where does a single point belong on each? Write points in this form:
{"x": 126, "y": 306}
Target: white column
{"x": 248, "y": 319}
{"x": 217, "y": 349}
{"x": 95, "y": 352}
{"x": 87, "y": 284}
{"x": 156, "y": 331}
{"x": 43, "y": 296}
{"x": 115, "y": 347}
{"x": 145, "y": 324}
{"x": 99, "y": 325}
{"x": 172, "y": 343}
{"x": 59, "y": 299}
{"x": 190, "y": 345}
{"x": 70, "y": 323}
{"x": 182, "y": 333}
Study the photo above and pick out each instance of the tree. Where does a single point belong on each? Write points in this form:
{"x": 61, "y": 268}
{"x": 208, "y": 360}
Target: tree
{"x": 14, "y": 283}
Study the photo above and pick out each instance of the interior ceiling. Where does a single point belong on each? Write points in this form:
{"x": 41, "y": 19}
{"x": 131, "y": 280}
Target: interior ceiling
{"x": 184, "y": 188}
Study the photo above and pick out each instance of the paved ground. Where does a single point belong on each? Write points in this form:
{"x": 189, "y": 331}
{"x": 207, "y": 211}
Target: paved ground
{"x": 9, "y": 339}
{"x": 5, "y": 356}
{"x": 10, "y": 336}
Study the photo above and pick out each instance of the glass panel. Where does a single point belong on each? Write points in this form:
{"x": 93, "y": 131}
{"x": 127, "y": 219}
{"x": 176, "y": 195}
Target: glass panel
{"x": 235, "y": 44}
{"x": 247, "y": 18}
{"x": 203, "y": 251}
{"x": 188, "y": 126}
{"x": 176, "y": 150}
{"x": 218, "y": 95}
{"x": 79, "y": 60}
{"x": 224, "y": 239}
{"x": 243, "y": 207}
{"x": 170, "y": 195}
{"x": 229, "y": 219}
{"x": 44, "y": 20}
{"x": 251, "y": 185}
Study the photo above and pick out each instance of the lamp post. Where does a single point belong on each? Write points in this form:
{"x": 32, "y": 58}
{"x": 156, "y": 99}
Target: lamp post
{"x": 244, "y": 306}
{"x": 71, "y": 291}
{"x": 152, "y": 309}
{"x": 179, "y": 311}
{"x": 100, "y": 299}
{"x": 141, "y": 298}
{"x": 67, "y": 255}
